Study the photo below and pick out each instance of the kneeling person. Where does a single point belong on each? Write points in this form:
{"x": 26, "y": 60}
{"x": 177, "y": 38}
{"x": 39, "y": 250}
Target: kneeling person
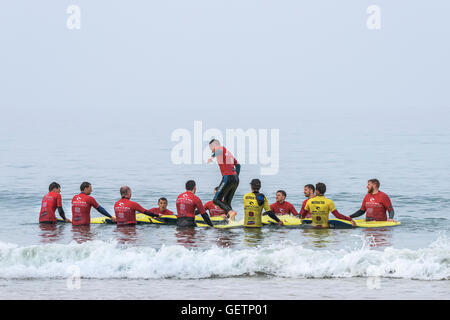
{"x": 125, "y": 209}
{"x": 254, "y": 203}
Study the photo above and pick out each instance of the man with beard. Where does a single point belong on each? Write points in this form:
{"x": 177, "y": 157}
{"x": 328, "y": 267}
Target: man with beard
{"x": 375, "y": 204}
{"x": 309, "y": 191}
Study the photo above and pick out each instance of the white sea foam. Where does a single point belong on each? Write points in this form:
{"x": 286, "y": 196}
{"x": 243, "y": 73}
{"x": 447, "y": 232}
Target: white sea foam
{"x": 99, "y": 259}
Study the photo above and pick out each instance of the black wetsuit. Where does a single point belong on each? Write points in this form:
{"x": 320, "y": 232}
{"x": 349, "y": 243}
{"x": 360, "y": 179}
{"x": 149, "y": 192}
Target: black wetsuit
{"x": 226, "y": 191}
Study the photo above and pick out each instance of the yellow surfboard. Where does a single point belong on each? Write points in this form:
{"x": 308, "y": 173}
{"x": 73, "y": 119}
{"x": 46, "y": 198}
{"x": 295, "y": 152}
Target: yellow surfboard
{"x": 230, "y": 224}
{"x": 288, "y": 220}
{"x": 360, "y": 223}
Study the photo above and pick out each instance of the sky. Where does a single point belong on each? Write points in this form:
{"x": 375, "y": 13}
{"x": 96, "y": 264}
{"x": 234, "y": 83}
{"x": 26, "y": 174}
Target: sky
{"x": 232, "y": 64}
{"x": 101, "y": 102}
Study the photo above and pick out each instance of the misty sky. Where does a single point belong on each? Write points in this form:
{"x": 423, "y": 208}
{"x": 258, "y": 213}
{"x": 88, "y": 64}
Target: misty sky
{"x": 231, "y": 64}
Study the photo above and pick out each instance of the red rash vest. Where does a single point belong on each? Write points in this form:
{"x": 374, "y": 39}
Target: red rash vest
{"x": 303, "y": 212}
{"x": 187, "y": 202}
{"x": 226, "y": 161}
{"x": 125, "y": 211}
{"x": 50, "y": 202}
{"x": 81, "y": 209}
{"x": 214, "y": 210}
{"x": 158, "y": 211}
{"x": 283, "y": 208}
{"x": 376, "y": 205}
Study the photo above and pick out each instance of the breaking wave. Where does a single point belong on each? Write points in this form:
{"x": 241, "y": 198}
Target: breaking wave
{"x": 108, "y": 260}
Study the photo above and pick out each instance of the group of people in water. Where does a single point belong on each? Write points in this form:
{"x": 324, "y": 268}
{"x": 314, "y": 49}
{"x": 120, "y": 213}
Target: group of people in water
{"x": 315, "y": 207}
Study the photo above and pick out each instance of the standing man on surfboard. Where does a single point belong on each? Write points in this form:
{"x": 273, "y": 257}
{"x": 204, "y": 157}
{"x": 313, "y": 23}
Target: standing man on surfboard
{"x": 188, "y": 205}
{"x": 125, "y": 209}
{"x": 213, "y": 209}
{"x": 320, "y": 208}
{"x": 375, "y": 204}
{"x": 81, "y": 206}
{"x": 52, "y": 201}
{"x": 229, "y": 168}
{"x": 309, "y": 191}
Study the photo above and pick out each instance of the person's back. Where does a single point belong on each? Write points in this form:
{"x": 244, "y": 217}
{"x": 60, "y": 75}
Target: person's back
{"x": 50, "y": 202}
{"x": 125, "y": 211}
{"x": 187, "y": 205}
{"x": 254, "y": 204}
{"x": 320, "y": 208}
{"x": 81, "y": 209}
{"x": 81, "y": 206}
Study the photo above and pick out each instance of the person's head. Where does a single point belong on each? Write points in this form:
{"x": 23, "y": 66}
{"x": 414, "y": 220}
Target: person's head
{"x": 215, "y": 190}
{"x": 190, "y": 186}
{"x": 162, "y": 204}
{"x": 86, "y": 188}
{"x": 54, "y": 187}
{"x": 280, "y": 196}
{"x": 125, "y": 192}
{"x": 321, "y": 188}
{"x": 213, "y": 144}
{"x": 255, "y": 184}
{"x": 373, "y": 185}
{"x": 309, "y": 190}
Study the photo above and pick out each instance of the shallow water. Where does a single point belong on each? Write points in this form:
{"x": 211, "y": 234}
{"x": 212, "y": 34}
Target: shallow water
{"x": 408, "y": 261}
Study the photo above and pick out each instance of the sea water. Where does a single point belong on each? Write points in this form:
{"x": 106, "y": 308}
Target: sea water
{"x": 161, "y": 261}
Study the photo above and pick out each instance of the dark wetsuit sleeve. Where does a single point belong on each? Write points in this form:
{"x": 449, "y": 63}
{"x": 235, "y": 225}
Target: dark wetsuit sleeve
{"x": 341, "y": 216}
{"x": 151, "y": 214}
{"x": 103, "y": 211}
{"x": 61, "y": 213}
{"x": 391, "y": 214}
{"x": 357, "y": 213}
{"x": 273, "y": 215}
{"x": 207, "y": 219}
{"x": 238, "y": 168}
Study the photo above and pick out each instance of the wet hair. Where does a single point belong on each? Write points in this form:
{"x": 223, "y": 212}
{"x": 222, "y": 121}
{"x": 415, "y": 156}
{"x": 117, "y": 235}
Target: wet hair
{"x": 162, "y": 199}
{"x": 124, "y": 190}
{"x": 282, "y": 192}
{"x": 321, "y": 187}
{"x": 375, "y": 182}
{"x": 53, "y": 185}
{"x": 310, "y": 186}
{"x": 214, "y": 140}
{"x": 190, "y": 185}
{"x": 256, "y": 184}
{"x": 84, "y": 185}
